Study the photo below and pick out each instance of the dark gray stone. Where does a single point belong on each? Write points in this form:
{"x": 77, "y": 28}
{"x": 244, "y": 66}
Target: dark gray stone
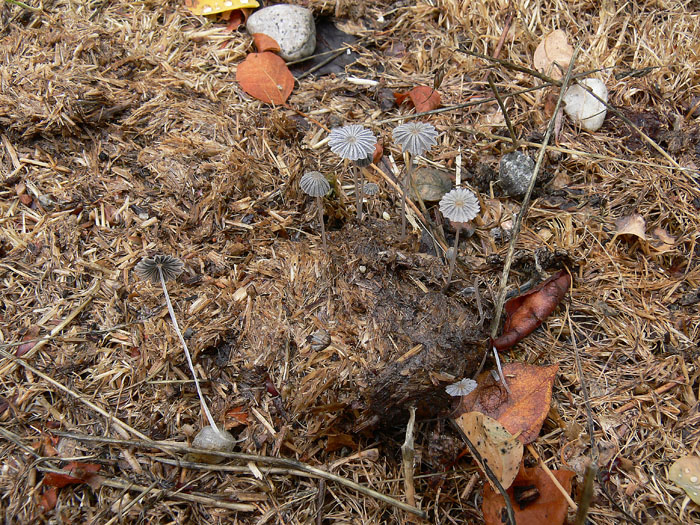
{"x": 515, "y": 172}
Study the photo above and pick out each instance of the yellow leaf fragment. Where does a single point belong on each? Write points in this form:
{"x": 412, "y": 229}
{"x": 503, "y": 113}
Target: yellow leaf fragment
{"x": 212, "y": 7}
{"x": 500, "y": 450}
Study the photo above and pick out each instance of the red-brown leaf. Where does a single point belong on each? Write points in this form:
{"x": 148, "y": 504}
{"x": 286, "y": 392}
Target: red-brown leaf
{"x": 527, "y": 311}
{"x": 521, "y": 412}
{"x": 378, "y": 153}
{"x": 266, "y": 77}
{"x": 265, "y": 43}
{"x": 30, "y": 337}
{"x": 549, "y": 508}
{"x": 48, "y": 499}
{"x": 423, "y": 98}
{"x": 76, "y": 473}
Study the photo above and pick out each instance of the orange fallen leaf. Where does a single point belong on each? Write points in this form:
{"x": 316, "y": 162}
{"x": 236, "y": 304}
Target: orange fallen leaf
{"x": 423, "y": 98}
{"x": 499, "y": 449}
{"x": 265, "y": 43}
{"x": 521, "y": 412}
{"x": 236, "y": 417}
{"x": 266, "y": 77}
{"x": 235, "y": 18}
{"x": 534, "y": 498}
{"x": 526, "y": 312}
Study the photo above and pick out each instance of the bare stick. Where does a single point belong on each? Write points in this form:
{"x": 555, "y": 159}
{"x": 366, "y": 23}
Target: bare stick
{"x": 408, "y": 454}
{"x": 587, "y": 494}
{"x": 526, "y": 202}
{"x": 266, "y": 460}
{"x": 501, "y": 105}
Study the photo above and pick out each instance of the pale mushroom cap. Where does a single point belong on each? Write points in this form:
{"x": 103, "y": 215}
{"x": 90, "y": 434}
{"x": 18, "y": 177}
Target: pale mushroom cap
{"x": 415, "y": 137}
{"x": 314, "y": 183}
{"x": 459, "y": 205}
{"x": 353, "y": 142}
{"x": 461, "y": 388}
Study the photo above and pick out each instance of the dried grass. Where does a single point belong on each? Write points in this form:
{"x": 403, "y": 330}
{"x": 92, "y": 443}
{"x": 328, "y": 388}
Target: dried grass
{"x": 125, "y": 134}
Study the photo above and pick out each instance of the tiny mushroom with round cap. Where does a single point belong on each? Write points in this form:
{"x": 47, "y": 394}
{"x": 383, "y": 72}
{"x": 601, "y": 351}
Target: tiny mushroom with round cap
{"x": 159, "y": 269}
{"x": 415, "y": 138}
{"x": 459, "y": 206}
{"x": 356, "y": 144}
{"x": 314, "y": 184}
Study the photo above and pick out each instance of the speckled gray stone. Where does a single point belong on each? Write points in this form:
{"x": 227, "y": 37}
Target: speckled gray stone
{"x": 291, "y": 26}
{"x": 515, "y": 172}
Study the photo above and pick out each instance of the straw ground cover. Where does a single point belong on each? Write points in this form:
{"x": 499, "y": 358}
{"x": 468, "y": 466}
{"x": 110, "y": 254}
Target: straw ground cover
{"x": 124, "y": 135}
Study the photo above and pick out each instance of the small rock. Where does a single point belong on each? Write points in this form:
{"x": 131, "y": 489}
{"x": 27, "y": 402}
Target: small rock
{"x": 291, "y": 26}
{"x": 583, "y": 107}
{"x": 515, "y": 172}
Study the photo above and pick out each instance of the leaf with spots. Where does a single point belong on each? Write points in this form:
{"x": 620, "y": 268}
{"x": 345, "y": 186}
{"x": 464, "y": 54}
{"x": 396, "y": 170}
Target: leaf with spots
{"x": 212, "y": 7}
{"x": 266, "y": 77}
{"x": 521, "y": 412}
{"x": 534, "y": 498}
{"x": 498, "y": 448}
{"x": 685, "y": 473}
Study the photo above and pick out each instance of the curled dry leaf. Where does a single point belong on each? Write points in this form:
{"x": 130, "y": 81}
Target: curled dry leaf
{"x": 500, "y": 450}
{"x": 521, "y": 412}
{"x": 661, "y": 240}
{"x": 534, "y": 498}
{"x": 631, "y": 225}
{"x": 423, "y": 98}
{"x": 266, "y": 77}
{"x": 264, "y": 43}
{"x": 378, "y": 153}
{"x": 685, "y": 473}
{"x": 526, "y": 312}
{"x": 553, "y": 55}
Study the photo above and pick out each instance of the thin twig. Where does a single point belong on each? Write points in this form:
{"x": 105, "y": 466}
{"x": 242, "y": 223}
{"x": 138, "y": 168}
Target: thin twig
{"x": 525, "y": 204}
{"x": 584, "y": 503}
{"x": 237, "y": 456}
{"x": 554, "y": 480}
{"x": 408, "y": 455}
{"x": 502, "y": 105}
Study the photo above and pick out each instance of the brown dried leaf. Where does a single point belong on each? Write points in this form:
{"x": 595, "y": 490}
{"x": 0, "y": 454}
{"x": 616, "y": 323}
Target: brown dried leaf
{"x": 549, "y": 505}
{"x": 525, "y": 409}
{"x": 631, "y": 225}
{"x": 553, "y": 55}
{"x": 500, "y": 450}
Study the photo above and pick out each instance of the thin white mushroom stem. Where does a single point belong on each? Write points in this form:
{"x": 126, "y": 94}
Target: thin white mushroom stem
{"x": 453, "y": 256}
{"x": 404, "y": 190}
{"x": 187, "y": 353}
{"x": 319, "y": 203}
{"x": 358, "y": 193}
